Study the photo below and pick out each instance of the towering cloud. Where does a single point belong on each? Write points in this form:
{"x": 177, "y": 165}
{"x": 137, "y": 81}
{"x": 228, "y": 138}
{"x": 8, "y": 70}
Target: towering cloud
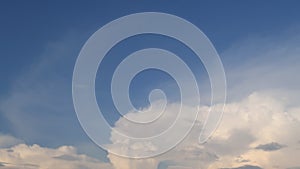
{"x": 250, "y": 132}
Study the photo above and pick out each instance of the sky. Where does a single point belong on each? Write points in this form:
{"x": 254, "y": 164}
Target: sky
{"x": 258, "y": 44}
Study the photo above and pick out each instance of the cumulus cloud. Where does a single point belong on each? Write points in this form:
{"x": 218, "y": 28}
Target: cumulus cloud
{"x": 262, "y": 113}
{"x": 246, "y": 126}
{"x": 37, "y": 157}
{"x": 266, "y": 119}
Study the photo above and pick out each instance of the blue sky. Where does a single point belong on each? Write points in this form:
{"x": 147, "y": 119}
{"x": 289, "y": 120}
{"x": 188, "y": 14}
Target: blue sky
{"x": 40, "y": 42}
{"x": 43, "y": 23}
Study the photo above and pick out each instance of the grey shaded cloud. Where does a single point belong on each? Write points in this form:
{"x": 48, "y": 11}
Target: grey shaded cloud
{"x": 66, "y": 157}
{"x": 245, "y": 167}
{"x": 165, "y": 164}
{"x": 6, "y": 165}
{"x": 270, "y": 146}
{"x": 31, "y": 165}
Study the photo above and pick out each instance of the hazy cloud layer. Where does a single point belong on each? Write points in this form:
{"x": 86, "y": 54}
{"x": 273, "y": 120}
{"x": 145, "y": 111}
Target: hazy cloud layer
{"x": 8, "y": 141}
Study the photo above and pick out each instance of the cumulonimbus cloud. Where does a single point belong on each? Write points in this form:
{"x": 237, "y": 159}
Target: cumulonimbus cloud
{"x": 247, "y": 127}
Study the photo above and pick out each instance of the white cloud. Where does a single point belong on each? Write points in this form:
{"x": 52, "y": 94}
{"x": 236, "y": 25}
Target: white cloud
{"x": 258, "y": 119}
{"x": 265, "y": 120}
{"x": 35, "y": 156}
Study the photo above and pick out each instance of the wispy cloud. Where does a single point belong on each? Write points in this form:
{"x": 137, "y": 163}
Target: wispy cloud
{"x": 8, "y": 140}
{"x": 39, "y": 108}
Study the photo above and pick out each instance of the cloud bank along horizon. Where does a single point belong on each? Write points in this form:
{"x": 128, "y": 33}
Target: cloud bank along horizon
{"x": 248, "y": 135}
